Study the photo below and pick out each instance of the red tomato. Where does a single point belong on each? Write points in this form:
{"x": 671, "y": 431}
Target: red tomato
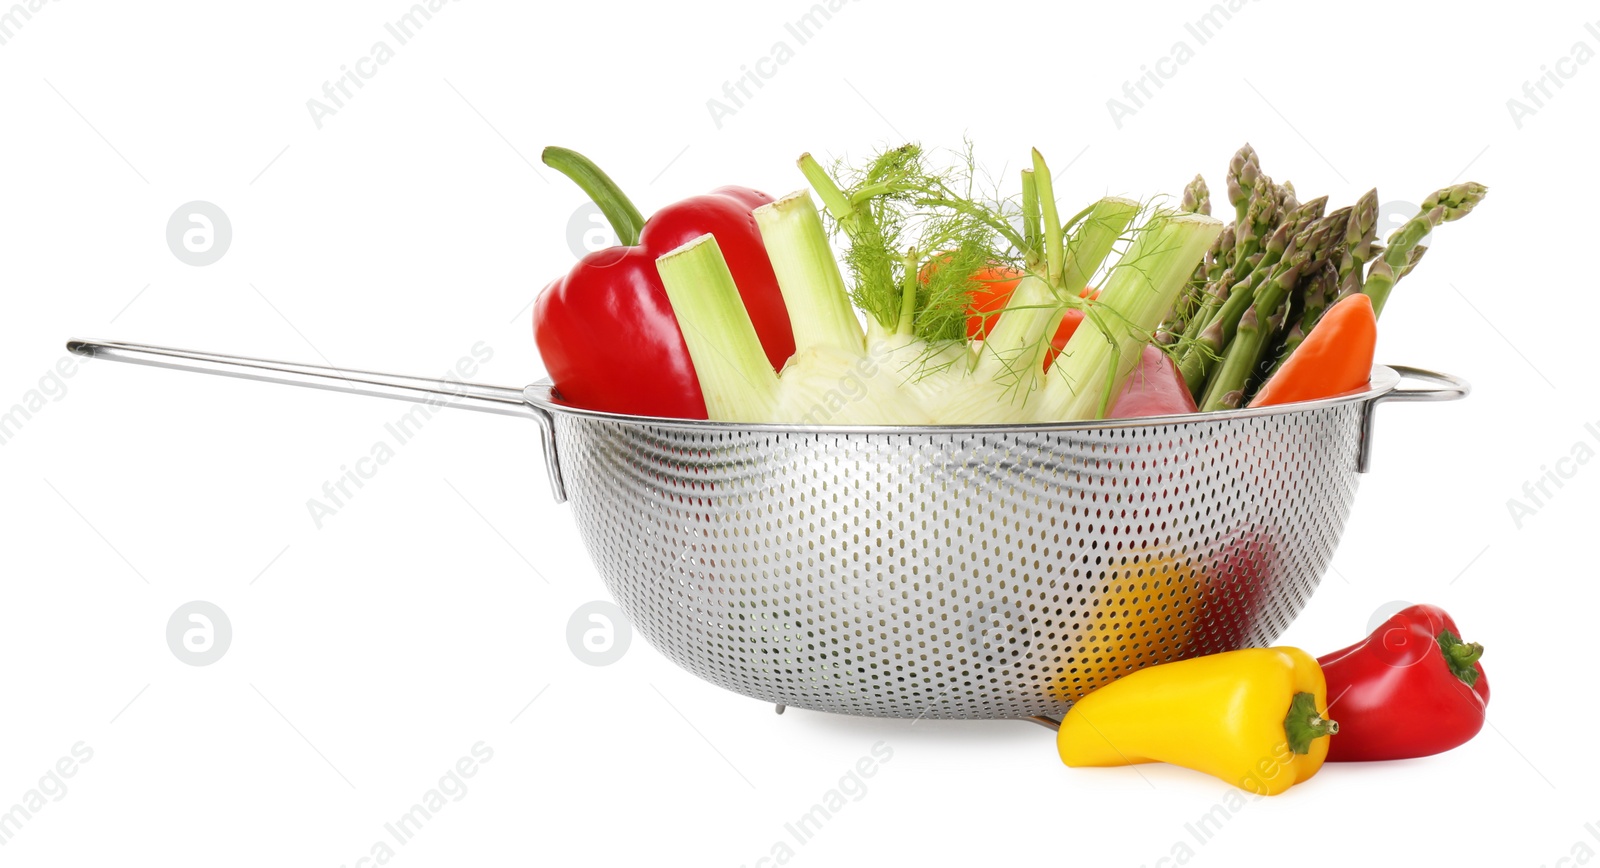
{"x": 993, "y": 288}
{"x": 992, "y": 292}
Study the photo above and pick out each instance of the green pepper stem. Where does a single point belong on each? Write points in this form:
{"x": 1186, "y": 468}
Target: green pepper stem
{"x": 1460, "y": 656}
{"x": 618, "y": 209}
{"x": 1304, "y": 723}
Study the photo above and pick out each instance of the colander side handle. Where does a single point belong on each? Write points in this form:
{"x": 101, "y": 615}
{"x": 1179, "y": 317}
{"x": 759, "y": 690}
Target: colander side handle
{"x": 423, "y": 390}
{"x": 1446, "y": 387}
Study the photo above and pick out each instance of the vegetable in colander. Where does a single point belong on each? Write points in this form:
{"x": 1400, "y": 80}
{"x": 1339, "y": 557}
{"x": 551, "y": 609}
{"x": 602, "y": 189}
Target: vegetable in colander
{"x": 1275, "y": 271}
{"x": 912, "y": 276}
{"x": 1335, "y": 358}
{"x": 605, "y": 332}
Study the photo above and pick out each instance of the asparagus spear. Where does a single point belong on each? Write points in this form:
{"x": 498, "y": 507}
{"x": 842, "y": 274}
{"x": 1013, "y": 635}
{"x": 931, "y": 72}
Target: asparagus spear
{"x": 1321, "y": 242}
{"x": 1460, "y": 199}
{"x": 1320, "y": 290}
{"x": 1358, "y": 242}
{"x": 1260, "y": 216}
{"x": 1443, "y": 206}
{"x": 1286, "y": 197}
{"x": 1196, "y": 200}
{"x": 1196, "y": 197}
{"x": 1188, "y": 304}
{"x": 1277, "y": 326}
{"x": 1218, "y": 320}
{"x": 1217, "y": 258}
{"x": 1249, "y": 324}
{"x": 1296, "y": 222}
{"x": 1412, "y": 260}
{"x": 1242, "y": 171}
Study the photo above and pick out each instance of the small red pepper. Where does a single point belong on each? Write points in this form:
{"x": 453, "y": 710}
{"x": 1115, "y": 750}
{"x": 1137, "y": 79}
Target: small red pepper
{"x": 606, "y": 331}
{"x": 1410, "y": 689}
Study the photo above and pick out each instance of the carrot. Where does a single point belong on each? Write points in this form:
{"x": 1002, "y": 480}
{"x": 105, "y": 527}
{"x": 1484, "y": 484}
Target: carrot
{"x": 1335, "y": 357}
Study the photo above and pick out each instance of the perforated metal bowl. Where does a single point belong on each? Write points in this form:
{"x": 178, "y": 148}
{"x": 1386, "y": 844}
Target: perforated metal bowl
{"x": 974, "y": 572}
{"x": 971, "y": 572}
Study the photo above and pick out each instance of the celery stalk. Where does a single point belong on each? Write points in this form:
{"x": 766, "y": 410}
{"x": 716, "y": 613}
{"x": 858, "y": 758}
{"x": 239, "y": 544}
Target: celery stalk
{"x": 809, "y": 278}
{"x": 1136, "y": 297}
{"x": 735, "y": 377}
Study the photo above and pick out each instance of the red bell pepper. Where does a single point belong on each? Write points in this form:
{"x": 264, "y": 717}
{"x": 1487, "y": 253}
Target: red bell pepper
{"x": 606, "y": 331}
{"x": 1410, "y": 689}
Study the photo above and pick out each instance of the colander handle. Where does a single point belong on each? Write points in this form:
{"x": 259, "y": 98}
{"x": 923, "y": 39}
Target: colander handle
{"x": 444, "y": 393}
{"x": 1446, "y": 387}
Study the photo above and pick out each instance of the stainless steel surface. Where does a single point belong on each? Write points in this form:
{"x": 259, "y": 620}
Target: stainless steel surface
{"x": 1446, "y": 388}
{"x": 959, "y": 573}
{"x": 948, "y": 572}
{"x": 423, "y": 390}
{"x": 1384, "y": 379}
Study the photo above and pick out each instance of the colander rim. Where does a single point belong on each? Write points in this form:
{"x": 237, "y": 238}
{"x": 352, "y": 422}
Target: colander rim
{"x": 1384, "y": 379}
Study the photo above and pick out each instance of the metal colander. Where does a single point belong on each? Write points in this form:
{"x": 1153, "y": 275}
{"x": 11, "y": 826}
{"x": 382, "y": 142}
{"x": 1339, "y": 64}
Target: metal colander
{"x": 942, "y": 572}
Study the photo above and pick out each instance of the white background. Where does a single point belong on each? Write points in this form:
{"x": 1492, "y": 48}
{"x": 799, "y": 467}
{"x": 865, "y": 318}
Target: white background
{"x": 422, "y": 618}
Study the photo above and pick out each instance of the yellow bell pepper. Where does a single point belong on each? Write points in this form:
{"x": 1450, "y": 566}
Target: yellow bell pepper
{"x": 1147, "y": 611}
{"x": 1255, "y": 718}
